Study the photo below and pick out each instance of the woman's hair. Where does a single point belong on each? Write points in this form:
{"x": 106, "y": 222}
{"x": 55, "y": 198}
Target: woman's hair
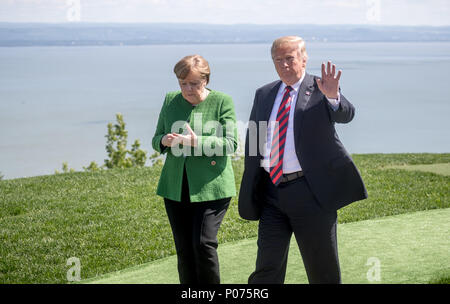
{"x": 289, "y": 39}
{"x": 192, "y": 63}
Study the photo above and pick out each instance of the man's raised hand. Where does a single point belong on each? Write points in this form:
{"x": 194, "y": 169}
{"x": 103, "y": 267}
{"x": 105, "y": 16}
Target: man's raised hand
{"x": 329, "y": 83}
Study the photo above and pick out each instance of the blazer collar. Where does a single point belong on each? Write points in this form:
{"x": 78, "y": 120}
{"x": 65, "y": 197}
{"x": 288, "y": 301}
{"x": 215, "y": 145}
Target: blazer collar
{"x": 306, "y": 90}
{"x": 270, "y": 99}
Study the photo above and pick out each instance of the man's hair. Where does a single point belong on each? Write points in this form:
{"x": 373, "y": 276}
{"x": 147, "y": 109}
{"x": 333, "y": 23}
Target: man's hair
{"x": 289, "y": 39}
{"x": 191, "y": 63}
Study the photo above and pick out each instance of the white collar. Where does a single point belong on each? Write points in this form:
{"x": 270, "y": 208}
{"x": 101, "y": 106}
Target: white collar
{"x": 295, "y": 86}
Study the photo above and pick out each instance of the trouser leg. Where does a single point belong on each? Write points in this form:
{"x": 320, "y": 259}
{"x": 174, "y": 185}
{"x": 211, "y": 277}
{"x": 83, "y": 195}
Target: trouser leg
{"x": 181, "y": 221}
{"x": 207, "y": 220}
{"x": 315, "y": 231}
{"x": 274, "y": 234}
{"x": 318, "y": 247}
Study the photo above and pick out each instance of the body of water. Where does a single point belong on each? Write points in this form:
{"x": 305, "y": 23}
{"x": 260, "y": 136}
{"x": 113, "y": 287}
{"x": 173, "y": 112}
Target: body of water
{"x": 55, "y": 102}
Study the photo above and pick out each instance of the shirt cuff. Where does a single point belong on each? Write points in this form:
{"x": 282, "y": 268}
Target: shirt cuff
{"x": 334, "y": 102}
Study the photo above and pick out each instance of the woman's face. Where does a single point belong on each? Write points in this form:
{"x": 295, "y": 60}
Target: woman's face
{"x": 193, "y": 87}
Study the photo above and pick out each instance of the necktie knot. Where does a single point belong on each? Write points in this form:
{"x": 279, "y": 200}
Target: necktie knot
{"x": 289, "y": 89}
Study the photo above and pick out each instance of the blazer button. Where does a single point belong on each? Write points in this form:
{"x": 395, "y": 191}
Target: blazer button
{"x": 213, "y": 163}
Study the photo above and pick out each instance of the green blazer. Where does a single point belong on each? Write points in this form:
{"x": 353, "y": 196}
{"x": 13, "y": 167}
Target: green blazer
{"x": 208, "y": 166}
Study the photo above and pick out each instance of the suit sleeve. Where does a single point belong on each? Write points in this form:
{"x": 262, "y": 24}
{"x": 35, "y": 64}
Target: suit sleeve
{"x": 249, "y": 204}
{"x": 251, "y": 120}
{"x": 344, "y": 113}
{"x": 160, "y": 130}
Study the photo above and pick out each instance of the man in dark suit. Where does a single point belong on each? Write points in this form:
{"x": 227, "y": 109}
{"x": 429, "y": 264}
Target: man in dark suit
{"x": 297, "y": 172}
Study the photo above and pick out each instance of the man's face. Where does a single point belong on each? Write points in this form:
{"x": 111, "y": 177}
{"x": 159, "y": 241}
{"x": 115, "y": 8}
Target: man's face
{"x": 289, "y": 63}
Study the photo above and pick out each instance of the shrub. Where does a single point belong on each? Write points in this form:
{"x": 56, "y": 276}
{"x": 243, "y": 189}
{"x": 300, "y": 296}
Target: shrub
{"x": 116, "y": 147}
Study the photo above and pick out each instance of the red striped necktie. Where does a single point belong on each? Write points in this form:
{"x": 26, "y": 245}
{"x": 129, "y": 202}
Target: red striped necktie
{"x": 279, "y": 138}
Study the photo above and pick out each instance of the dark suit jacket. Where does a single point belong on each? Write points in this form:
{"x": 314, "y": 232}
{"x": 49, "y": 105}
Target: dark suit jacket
{"x": 327, "y": 167}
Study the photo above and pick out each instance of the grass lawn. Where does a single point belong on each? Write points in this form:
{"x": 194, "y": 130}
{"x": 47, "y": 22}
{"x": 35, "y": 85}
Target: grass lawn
{"x": 403, "y": 245}
{"x": 443, "y": 169}
{"x": 113, "y": 220}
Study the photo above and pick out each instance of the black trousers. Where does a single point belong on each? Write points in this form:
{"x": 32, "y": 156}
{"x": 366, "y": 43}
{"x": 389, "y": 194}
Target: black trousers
{"x": 194, "y": 228}
{"x": 292, "y": 208}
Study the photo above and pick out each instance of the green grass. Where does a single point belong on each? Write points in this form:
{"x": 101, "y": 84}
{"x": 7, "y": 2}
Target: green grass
{"x": 443, "y": 278}
{"x": 443, "y": 169}
{"x": 113, "y": 220}
{"x": 403, "y": 245}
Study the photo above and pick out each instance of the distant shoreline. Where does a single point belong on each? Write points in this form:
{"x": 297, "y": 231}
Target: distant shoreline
{"x": 195, "y": 43}
{"x": 126, "y": 34}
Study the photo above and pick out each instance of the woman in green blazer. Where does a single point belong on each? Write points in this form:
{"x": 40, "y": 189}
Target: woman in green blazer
{"x": 197, "y": 131}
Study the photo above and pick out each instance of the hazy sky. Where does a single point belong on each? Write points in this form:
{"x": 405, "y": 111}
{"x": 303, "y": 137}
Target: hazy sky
{"x": 383, "y": 12}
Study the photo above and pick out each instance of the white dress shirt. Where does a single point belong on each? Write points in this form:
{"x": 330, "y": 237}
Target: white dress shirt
{"x": 290, "y": 160}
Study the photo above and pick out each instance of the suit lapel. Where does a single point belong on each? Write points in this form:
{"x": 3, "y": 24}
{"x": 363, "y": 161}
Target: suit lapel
{"x": 269, "y": 101}
{"x": 265, "y": 111}
{"x": 304, "y": 94}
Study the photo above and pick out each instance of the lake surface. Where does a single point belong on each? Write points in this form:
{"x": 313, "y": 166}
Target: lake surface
{"x": 55, "y": 102}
